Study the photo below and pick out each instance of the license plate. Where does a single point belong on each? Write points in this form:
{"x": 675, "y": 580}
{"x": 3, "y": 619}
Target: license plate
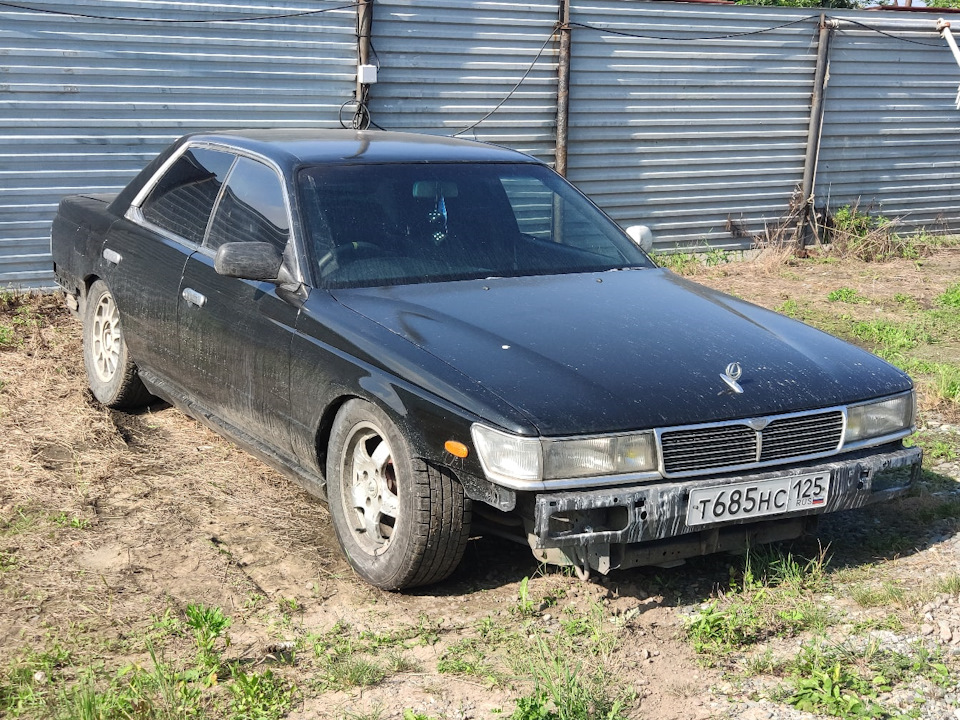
{"x": 756, "y": 499}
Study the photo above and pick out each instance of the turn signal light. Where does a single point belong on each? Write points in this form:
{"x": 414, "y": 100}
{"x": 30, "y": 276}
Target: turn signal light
{"x": 455, "y": 448}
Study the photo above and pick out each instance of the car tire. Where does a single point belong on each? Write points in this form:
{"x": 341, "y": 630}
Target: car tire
{"x": 111, "y": 373}
{"x": 400, "y": 521}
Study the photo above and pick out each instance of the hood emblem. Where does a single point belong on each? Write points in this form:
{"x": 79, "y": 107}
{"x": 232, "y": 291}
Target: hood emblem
{"x": 731, "y": 375}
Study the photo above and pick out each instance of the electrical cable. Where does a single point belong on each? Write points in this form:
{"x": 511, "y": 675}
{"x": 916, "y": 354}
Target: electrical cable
{"x": 883, "y": 32}
{"x": 376, "y": 56}
{"x": 692, "y": 39}
{"x": 516, "y": 87}
{"x": 251, "y": 18}
{"x": 361, "y": 117}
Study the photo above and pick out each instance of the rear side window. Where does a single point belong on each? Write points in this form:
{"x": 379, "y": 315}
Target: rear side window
{"x": 252, "y": 208}
{"x": 181, "y": 202}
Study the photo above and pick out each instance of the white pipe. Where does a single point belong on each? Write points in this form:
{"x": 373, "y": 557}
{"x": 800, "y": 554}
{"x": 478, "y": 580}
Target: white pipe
{"x": 944, "y": 27}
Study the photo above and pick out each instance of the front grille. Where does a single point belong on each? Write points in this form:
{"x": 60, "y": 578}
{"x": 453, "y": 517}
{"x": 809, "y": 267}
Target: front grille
{"x": 703, "y": 448}
{"x": 692, "y": 450}
{"x": 804, "y": 435}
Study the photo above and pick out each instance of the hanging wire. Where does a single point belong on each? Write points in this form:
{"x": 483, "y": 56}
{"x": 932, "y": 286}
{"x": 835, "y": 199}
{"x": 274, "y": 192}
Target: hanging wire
{"x": 889, "y": 35}
{"x": 249, "y": 18}
{"x": 621, "y": 33}
{"x": 361, "y": 116}
{"x": 516, "y": 87}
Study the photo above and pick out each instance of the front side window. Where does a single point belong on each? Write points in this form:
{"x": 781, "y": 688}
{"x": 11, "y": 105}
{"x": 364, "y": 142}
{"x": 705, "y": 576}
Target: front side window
{"x": 392, "y": 224}
{"x": 252, "y": 208}
{"x": 182, "y": 200}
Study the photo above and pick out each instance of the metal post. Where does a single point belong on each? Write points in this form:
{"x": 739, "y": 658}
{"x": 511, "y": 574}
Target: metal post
{"x": 361, "y": 118}
{"x": 563, "y": 89}
{"x": 814, "y": 130}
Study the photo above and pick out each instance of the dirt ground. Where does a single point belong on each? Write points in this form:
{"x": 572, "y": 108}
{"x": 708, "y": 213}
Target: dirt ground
{"x": 111, "y": 522}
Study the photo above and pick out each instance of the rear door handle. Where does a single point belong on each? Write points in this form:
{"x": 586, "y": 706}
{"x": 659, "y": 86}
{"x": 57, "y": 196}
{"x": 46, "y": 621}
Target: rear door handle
{"x": 193, "y": 297}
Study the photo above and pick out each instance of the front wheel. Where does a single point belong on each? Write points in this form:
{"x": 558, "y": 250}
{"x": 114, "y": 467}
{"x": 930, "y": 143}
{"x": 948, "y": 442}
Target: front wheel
{"x": 400, "y": 522}
{"x": 111, "y": 373}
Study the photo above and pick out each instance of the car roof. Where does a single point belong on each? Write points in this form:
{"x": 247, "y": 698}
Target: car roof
{"x": 315, "y": 145}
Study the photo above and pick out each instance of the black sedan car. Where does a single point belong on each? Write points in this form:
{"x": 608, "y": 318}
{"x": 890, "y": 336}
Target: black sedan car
{"x": 436, "y": 334}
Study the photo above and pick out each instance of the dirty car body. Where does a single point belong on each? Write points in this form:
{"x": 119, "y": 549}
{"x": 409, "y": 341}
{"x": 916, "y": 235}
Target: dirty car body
{"x": 437, "y": 335}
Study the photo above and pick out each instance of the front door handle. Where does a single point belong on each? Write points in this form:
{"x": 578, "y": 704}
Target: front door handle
{"x": 112, "y": 256}
{"x": 193, "y": 297}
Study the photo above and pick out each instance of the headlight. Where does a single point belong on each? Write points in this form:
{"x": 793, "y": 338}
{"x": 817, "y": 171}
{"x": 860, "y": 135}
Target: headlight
{"x": 515, "y": 459}
{"x": 599, "y": 456}
{"x": 877, "y": 419}
{"x": 507, "y": 457}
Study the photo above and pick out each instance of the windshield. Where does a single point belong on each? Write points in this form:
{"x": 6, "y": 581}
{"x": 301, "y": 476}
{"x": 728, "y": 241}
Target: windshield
{"x": 371, "y": 225}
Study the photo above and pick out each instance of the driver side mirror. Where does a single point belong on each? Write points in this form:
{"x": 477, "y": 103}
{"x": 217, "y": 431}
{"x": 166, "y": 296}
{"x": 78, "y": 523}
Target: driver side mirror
{"x": 642, "y": 237}
{"x": 249, "y": 261}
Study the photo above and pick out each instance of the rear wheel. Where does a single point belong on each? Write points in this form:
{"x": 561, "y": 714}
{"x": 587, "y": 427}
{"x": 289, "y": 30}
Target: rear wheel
{"x": 400, "y": 522}
{"x": 111, "y": 373}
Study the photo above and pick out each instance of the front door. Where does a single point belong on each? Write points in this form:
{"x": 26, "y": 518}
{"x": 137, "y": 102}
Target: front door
{"x": 235, "y": 335}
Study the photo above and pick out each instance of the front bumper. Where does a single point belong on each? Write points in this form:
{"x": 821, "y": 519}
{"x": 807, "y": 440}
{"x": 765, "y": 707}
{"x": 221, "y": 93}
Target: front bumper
{"x": 585, "y": 523}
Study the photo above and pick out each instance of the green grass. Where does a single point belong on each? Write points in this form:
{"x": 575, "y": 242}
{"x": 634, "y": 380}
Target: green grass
{"x": 22, "y": 520}
{"x": 347, "y": 658}
{"x": 259, "y": 695}
{"x": 790, "y": 308}
{"x": 950, "y": 298}
{"x": 681, "y": 263}
{"x": 76, "y": 522}
{"x": 908, "y": 302}
{"x": 949, "y": 585}
{"x": 466, "y": 657}
{"x": 846, "y": 295}
{"x": 716, "y": 256}
{"x": 29, "y": 681}
{"x": 8, "y": 560}
{"x": 885, "y": 595}
{"x": 890, "y": 338}
{"x": 941, "y": 511}
{"x": 7, "y": 336}
{"x": 209, "y": 626}
{"x": 846, "y": 681}
{"x": 62, "y": 684}
{"x": 887, "y": 622}
{"x": 566, "y": 688}
{"x": 772, "y": 597}
{"x": 947, "y": 382}
{"x": 855, "y": 232}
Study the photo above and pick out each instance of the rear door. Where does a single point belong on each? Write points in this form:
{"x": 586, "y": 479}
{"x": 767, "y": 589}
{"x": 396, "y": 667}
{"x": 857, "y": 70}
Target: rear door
{"x": 145, "y": 253}
{"x": 235, "y": 335}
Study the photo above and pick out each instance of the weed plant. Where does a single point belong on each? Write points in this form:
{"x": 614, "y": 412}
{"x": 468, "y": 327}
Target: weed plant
{"x": 771, "y": 598}
{"x": 847, "y": 682}
{"x": 259, "y": 696}
{"x": 846, "y": 295}
{"x": 209, "y": 624}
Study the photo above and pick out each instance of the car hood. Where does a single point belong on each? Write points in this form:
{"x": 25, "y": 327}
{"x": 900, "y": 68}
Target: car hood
{"x": 623, "y": 350}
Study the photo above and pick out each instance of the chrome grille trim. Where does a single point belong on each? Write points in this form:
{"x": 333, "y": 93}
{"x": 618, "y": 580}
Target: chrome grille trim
{"x": 735, "y": 444}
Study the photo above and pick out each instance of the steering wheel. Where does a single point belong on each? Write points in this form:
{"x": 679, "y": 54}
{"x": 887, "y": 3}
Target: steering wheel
{"x": 351, "y": 252}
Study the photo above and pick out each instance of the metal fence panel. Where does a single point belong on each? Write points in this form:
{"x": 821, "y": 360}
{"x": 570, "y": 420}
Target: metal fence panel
{"x": 445, "y": 65}
{"x": 85, "y": 102}
{"x": 697, "y": 128}
{"x": 891, "y": 129}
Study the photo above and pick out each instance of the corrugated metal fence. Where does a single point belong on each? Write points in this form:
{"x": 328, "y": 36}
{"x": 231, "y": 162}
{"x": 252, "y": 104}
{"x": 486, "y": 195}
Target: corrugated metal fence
{"x": 445, "y": 64}
{"x": 90, "y": 91}
{"x": 680, "y": 120}
{"x": 891, "y": 133}
{"x": 690, "y": 118}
